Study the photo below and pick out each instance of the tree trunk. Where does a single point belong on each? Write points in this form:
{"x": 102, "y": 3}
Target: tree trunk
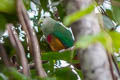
{"x": 93, "y": 60}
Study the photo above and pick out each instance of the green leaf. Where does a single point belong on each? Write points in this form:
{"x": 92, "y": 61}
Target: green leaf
{"x": 61, "y": 11}
{"x": 109, "y": 13}
{"x": 13, "y": 74}
{"x": 110, "y": 40}
{"x": 27, "y": 4}
{"x": 3, "y": 22}
{"x": 51, "y": 65}
{"x": 44, "y": 4}
{"x": 58, "y": 56}
{"x": 3, "y": 77}
{"x": 118, "y": 63}
{"x": 101, "y": 37}
{"x": 117, "y": 0}
{"x": 115, "y": 40}
{"x": 9, "y": 6}
{"x": 9, "y": 49}
{"x": 33, "y": 73}
{"x": 116, "y": 13}
{"x": 50, "y": 78}
{"x": 77, "y": 15}
{"x": 47, "y": 67}
{"x": 65, "y": 73}
{"x": 80, "y": 73}
{"x": 60, "y": 8}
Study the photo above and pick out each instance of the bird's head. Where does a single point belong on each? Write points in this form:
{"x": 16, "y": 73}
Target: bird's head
{"x": 47, "y": 25}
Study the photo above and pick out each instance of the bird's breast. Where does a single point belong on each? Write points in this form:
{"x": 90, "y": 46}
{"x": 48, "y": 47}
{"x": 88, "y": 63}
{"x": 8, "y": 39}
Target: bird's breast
{"x": 54, "y": 43}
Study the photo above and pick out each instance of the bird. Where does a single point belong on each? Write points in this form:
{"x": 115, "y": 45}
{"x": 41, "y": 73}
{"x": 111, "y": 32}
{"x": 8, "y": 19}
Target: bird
{"x": 57, "y": 35}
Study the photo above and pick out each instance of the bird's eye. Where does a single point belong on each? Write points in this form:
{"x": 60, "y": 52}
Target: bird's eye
{"x": 44, "y": 17}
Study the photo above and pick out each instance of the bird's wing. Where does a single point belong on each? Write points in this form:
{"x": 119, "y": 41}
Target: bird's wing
{"x": 63, "y": 34}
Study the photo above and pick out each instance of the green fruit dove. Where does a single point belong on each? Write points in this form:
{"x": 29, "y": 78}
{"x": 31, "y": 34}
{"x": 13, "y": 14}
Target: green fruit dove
{"x": 57, "y": 35}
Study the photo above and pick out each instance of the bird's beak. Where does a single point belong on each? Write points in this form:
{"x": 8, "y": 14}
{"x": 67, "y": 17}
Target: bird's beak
{"x": 40, "y": 21}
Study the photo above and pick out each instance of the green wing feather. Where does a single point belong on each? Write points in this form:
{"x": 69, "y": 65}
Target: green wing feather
{"x": 63, "y": 34}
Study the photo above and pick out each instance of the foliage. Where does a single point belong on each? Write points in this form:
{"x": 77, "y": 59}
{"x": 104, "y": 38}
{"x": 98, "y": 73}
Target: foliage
{"x": 116, "y": 11}
{"x": 52, "y": 61}
{"x": 2, "y": 24}
{"x": 9, "y": 6}
{"x": 110, "y": 41}
{"x": 77, "y": 15}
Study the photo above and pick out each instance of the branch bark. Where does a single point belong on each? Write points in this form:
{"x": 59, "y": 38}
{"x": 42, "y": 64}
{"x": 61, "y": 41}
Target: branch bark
{"x": 93, "y": 60}
{"x": 34, "y": 45}
{"x": 4, "y": 56}
{"x": 19, "y": 48}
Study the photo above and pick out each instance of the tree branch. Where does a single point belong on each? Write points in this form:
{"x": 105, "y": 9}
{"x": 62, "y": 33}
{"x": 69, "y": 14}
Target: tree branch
{"x": 33, "y": 39}
{"x": 4, "y": 56}
{"x": 93, "y": 60}
{"x": 19, "y": 48}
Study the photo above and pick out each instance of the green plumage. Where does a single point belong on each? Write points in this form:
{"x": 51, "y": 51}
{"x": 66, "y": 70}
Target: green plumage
{"x": 58, "y": 30}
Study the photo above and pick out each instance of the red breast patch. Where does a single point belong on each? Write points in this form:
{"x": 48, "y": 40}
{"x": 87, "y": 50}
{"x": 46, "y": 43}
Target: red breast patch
{"x": 49, "y": 38}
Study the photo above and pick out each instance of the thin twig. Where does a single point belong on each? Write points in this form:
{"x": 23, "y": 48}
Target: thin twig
{"x": 31, "y": 66}
{"x": 36, "y": 2}
{"x": 21, "y": 19}
{"x": 68, "y": 49}
{"x": 116, "y": 65}
{"x": 19, "y": 48}
{"x": 33, "y": 39}
{"x": 35, "y": 47}
{"x": 4, "y": 56}
{"x": 111, "y": 66}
